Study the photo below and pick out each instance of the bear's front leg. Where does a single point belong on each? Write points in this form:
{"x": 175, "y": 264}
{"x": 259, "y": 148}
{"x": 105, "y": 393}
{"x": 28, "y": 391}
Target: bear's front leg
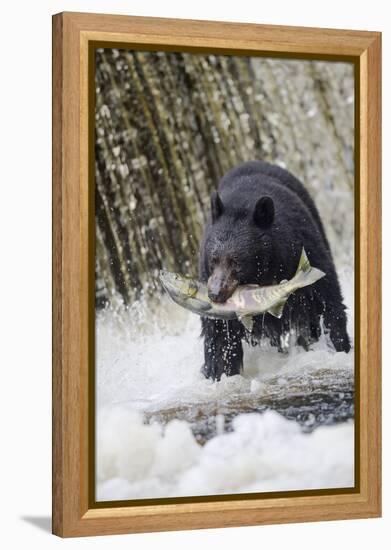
{"x": 335, "y": 321}
{"x": 222, "y": 348}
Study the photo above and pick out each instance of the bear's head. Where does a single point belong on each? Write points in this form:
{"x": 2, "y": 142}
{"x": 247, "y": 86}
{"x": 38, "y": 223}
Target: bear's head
{"x": 238, "y": 246}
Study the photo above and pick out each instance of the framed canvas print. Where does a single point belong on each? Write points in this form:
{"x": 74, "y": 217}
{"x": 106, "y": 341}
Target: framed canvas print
{"x": 216, "y": 274}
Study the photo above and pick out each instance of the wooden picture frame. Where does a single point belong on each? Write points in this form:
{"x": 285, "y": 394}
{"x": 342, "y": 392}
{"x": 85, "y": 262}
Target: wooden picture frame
{"x": 74, "y": 35}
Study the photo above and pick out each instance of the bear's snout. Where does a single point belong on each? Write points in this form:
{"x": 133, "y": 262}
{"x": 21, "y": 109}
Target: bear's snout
{"x": 221, "y": 286}
{"x": 219, "y": 296}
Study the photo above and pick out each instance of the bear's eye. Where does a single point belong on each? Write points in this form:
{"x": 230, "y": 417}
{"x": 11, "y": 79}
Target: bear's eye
{"x": 234, "y": 267}
{"x": 214, "y": 259}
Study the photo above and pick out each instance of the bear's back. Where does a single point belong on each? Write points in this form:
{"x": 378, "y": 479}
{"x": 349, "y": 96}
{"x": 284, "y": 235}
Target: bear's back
{"x": 247, "y": 176}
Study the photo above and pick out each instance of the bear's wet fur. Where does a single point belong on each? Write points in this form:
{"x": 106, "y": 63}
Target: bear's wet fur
{"x": 261, "y": 218}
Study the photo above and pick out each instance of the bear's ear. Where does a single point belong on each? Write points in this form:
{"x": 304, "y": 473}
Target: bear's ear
{"x": 216, "y": 206}
{"x": 264, "y": 212}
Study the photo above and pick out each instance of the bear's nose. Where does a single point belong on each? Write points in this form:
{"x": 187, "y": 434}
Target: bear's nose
{"x": 214, "y": 296}
{"x": 219, "y": 297}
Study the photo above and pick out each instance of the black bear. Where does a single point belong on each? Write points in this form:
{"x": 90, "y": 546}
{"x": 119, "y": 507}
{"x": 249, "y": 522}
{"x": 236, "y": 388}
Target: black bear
{"x": 261, "y": 218}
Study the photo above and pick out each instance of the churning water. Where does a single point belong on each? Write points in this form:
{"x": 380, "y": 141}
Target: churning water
{"x": 164, "y": 430}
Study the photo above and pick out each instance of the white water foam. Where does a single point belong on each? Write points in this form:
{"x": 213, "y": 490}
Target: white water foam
{"x": 149, "y": 359}
{"x": 265, "y": 452}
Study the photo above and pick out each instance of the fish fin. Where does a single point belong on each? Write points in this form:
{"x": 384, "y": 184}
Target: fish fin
{"x": 278, "y": 309}
{"x": 306, "y": 274}
{"x": 247, "y": 321}
{"x": 304, "y": 263}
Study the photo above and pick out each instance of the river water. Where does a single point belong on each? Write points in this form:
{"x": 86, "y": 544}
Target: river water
{"x": 163, "y": 430}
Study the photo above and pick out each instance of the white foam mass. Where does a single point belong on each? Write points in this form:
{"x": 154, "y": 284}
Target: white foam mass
{"x": 148, "y": 360}
{"x": 265, "y": 452}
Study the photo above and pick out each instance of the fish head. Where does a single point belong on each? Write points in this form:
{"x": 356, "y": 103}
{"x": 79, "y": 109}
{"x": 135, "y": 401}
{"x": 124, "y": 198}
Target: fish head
{"x": 178, "y": 285}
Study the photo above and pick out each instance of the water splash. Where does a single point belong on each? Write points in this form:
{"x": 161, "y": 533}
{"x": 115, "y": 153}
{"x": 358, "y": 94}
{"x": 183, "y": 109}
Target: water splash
{"x": 154, "y": 406}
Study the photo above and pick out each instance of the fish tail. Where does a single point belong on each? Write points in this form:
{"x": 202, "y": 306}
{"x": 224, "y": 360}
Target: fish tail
{"x": 306, "y": 274}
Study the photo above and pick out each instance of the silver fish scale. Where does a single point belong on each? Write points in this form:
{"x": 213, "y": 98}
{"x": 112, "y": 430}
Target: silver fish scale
{"x": 248, "y": 300}
{"x": 266, "y": 296}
